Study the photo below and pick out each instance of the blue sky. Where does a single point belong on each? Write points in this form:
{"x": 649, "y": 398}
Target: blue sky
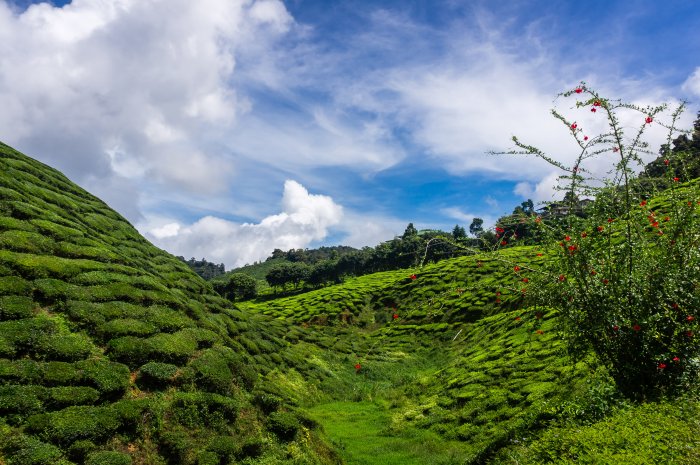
{"x": 224, "y": 129}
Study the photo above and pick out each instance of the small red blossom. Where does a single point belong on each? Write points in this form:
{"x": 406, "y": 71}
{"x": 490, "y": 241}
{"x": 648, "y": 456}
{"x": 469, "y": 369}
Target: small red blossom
{"x": 600, "y": 228}
{"x": 498, "y": 301}
{"x": 517, "y": 318}
{"x": 667, "y": 161}
{"x": 616, "y": 328}
{"x": 690, "y": 318}
{"x": 610, "y": 220}
{"x": 574, "y": 126}
{"x": 503, "y": 243}
{"x": 358, "y": 366}
{"x": 578, "y": 90}
{"x": 498, "y": 292}
{"x": 567, "y": 238}
{"x": 605, "y": 281}
{"x": 395, "y": 316}
{"x": 584, "y": 138}
{"x": 642, "y": 203}
{"x": 662, "y": 366}
{"x": 499, "y": 229}
{"x": 593, "y": 110}
{"x": 525, "y": 280}
{"x": 593, "y": 272}
{"x": 413, "y": 277}
{"x": 562, "y": 278}
{"x": 690, "y": 204}
{"x": 596, "y": 103}
{"x": 666, "y": 218}
{"x": 572, "y": 248}
{"x": 539, "y": 254}
{"x": 676, "y": 359}
{"x": 655, "y": 224}
{"x": 689, "y": 334}
{"x": 637, "y": 327}
{"x": 516, "y": 268}
{"x": 615, "y": 149}
{"x": 676, "y": 179}
{"x": 538, "y": 220}
{"x": 648, "y": 120}
{"x": 584, "y": 234}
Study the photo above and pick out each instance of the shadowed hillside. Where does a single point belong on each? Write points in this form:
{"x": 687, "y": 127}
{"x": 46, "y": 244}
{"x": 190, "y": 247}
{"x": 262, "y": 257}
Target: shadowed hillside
{"x": 113, "y": 351}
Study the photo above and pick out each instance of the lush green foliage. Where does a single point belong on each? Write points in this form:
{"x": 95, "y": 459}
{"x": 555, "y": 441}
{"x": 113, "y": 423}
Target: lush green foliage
{"x": 626, "y": 271}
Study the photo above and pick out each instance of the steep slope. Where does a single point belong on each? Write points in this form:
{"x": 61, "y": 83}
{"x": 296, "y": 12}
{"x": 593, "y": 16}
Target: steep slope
{"x": 113, "y": 351}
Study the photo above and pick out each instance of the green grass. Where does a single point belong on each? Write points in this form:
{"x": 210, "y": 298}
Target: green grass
{"x": 362, "y": 433}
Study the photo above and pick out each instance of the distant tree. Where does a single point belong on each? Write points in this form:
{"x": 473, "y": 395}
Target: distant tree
{"x": 277, "y": 253}
{"x": 410, "y": 231}
{"x": 477, "y": 227}
{"x": 240, "y": 286}
{"x": 458, "y": 232}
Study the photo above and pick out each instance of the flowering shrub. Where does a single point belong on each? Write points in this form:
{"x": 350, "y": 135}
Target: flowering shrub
{"x": 625, "y": 271}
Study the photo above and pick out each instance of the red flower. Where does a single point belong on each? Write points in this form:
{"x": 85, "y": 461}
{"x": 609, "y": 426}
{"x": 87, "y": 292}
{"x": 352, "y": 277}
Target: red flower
{"x": 517, "y": 318}
{"x": 578, "y": 90}
{"x": 539, "y": 254}
{"x": 642, "y": 203}
{"x": 636, "y": 328}
{"x": 600, "y": 229}
{"x": 572, "y": 248}
{"x": 610, "y": 220}
{"x": 676, "y": 179}
{"x": 666, "y": 162}
{"x": 525, "y": 280}
{"x": 593, "y": 272}
{"x": 562, "y": 278}
{"x": 605, "y": 281}
{"x": 503, "y": 243}
{"x": 596, "y": 103}
{"x": 395, "y": 316}
{"x": 616, "y": 328}
{"x": 593, "y": 110}
{"x": 666, "y": 218}
{"x": 584, "y": 234}
{"x": 538, "y": 220}
{"x": 662, "y": 366}
{"x": 358, "y": 366}
{"x": 690, "y": 318}
{"x": 498, "y": 301}
{"x": 689, "y": 333}
{"x": 676, "y": 359}
{"x": 585, "y": 138}
{"x": 655, "y": 224}
{"x": 567, "y": 238}
{"x": 574, "y": 126}
{"x": 414, "y": 277}
{"x": 648, "y": 120}
{"x": 499, "y": 229}
{"x": 615, "y": 149}
{"x": 516, "y": 268}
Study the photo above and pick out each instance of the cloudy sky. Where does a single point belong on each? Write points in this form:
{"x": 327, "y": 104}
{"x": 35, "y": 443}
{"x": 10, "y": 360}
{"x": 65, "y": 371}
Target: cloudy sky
{"x": 227, "y": 128}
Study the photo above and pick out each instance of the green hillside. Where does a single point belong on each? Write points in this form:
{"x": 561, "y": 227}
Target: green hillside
{"x": 113, "y": 351}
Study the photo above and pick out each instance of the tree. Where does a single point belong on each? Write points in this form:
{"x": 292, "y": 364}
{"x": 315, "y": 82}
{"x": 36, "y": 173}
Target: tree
{"x": 458, "y": 232}
{"x": 477, "y": 227}
{"x": 241, "y": 286}
{"x": 410, "y": 231}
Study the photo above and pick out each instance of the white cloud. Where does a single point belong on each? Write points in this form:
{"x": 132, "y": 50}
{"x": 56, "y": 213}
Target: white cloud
{"x": 467, "y": 217}
{"x": 304, "y": 218}
{"x": 692, "y": 84}
{"x": 130, "y": 89}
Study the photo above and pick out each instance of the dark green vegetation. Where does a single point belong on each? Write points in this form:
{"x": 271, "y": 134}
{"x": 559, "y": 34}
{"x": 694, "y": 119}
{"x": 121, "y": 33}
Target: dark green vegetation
{"x": 114, "y": 352}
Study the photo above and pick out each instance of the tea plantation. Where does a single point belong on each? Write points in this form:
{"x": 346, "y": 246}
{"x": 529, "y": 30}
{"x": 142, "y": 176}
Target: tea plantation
{"x": 114, "y": 352}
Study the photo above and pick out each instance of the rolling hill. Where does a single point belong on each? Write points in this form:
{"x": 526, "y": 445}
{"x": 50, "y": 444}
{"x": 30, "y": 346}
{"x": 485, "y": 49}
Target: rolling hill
{"x": 114, "y": 352}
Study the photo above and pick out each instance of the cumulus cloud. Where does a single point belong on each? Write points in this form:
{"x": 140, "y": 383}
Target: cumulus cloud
{"x": 692, "y": 84}
{"x": 130, "y": 89}
{"x": 304, "y": 218}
